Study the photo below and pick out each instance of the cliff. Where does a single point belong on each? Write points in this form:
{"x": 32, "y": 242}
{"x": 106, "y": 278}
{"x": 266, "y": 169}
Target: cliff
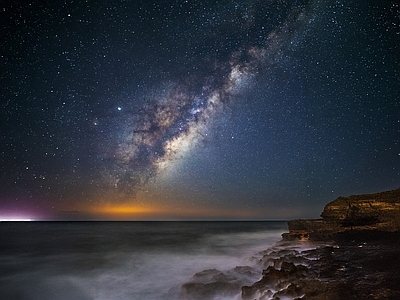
{"x": 353, "y": 253}
{"x": 379, "y": 212}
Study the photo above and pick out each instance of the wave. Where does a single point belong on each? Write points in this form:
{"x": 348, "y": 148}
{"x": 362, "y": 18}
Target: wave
{"x": 101, "y": 262}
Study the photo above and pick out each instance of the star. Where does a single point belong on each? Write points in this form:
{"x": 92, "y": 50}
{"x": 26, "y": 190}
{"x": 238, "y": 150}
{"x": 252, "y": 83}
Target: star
{"x": 273, "y": 104}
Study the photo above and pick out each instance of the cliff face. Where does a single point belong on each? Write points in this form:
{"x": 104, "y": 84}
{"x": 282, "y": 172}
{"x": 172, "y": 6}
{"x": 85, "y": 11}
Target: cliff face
{"x": 380, "y": 211}
{"x": 360, "y": 261}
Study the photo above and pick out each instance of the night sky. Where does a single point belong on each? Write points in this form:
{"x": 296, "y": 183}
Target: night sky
{"x": 196, "y": 109}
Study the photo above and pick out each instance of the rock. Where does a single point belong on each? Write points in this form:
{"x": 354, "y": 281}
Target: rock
{"x": 208, "y": 284}
{"x": 363, "y": 233}
{"x": 292, "y": 291}
{"x": 203, "y": 291}
{"x": 284, "y": 280}
{"x": 379, "y": 211}
{"x": 351, "y": 253}
{"x": 205, "y": 275}
{"x": 212, "y": 283}
{"x": 301, "y": 235}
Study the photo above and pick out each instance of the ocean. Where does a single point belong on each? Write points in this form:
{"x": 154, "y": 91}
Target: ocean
{"x": 123, "y": 260}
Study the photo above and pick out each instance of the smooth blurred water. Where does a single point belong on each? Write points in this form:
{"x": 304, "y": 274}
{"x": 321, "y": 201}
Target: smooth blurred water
{"x": 121, "y": 260}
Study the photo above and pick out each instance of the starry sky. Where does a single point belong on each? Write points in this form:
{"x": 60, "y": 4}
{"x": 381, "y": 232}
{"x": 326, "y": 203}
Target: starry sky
{"x": 190, "y": 109}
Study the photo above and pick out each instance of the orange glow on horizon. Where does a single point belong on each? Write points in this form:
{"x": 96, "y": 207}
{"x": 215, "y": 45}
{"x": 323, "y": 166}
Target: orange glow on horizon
{"x": 125, "y": 209}
{"x": 145, "y": 208}
{"x": 149, "y": 212}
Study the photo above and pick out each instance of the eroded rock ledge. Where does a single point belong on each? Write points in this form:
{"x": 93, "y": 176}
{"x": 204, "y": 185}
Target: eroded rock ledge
{"x": 379, "y": 212}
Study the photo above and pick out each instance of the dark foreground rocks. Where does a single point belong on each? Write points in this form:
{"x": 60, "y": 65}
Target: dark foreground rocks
{"x": 211, "y": 284}
{"x": 353, "y": 252}
{"x": 355, "y": 265}
{"x": 358, "y": 265}
{"x": 361, "y": 258}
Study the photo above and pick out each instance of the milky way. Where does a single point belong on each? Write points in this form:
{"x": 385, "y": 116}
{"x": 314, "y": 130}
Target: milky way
{"x": 171, "y": 124}
{"x": 248, "y": 109}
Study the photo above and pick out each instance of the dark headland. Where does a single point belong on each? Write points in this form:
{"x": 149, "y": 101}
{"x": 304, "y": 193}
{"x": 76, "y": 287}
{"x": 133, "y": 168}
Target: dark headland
{"x": 359, "y": 256}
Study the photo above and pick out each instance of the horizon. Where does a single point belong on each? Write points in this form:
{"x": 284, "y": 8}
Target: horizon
{"x": 144, "y": 220}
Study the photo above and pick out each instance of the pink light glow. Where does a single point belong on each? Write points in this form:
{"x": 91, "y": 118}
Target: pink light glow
{"x": 15, "y": 220}
{"x": 25, "y": 214}
{"x": 9, "y": 216}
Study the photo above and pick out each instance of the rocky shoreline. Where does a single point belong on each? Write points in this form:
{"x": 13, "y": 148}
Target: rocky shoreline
{"x": 353, "y": 252}
{"x": 355, "y": 265}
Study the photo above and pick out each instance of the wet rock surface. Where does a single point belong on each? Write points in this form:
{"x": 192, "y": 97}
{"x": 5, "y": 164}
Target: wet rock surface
{"x": 355, "y": 265}
{"x": 358, "y": 265}
{"x": 214, "y": 284}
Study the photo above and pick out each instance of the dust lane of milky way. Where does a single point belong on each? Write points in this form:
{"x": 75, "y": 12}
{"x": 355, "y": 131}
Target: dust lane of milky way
{"x": 169, "y": 126}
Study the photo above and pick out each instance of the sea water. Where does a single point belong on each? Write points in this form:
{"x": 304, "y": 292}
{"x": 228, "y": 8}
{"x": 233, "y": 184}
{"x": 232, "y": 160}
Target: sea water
{"x": 121, "y": 260}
